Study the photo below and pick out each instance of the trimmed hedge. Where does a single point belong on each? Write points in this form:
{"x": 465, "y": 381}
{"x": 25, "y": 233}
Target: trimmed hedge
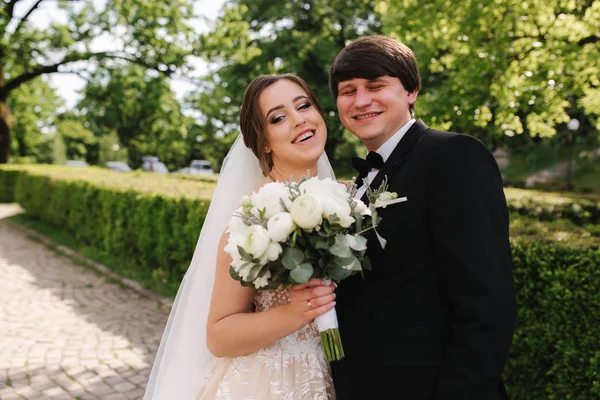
{"x": 548, "y": 206}
{"x": 556, "y": 347}
{"x": 555, "y": 352}
{"x": 153, "y": 231}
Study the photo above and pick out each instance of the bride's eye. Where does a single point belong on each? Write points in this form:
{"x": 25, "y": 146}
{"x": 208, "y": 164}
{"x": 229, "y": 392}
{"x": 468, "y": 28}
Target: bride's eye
{"x": 304, "y": 106}
{"x": 276, "y": 119}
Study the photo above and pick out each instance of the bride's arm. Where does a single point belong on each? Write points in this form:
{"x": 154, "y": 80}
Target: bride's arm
{"x": 233, "y": 330}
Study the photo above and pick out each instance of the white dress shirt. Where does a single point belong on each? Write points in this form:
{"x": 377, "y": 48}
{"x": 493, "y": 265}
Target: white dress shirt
{"x": 385, "y": 150}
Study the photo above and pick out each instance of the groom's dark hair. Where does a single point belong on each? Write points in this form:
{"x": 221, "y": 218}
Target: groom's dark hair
{"x": 371, "y": 57}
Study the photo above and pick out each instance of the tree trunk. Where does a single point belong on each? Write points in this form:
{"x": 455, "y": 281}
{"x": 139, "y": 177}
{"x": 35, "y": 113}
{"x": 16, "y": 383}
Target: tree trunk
{"x": 4, "y": 132}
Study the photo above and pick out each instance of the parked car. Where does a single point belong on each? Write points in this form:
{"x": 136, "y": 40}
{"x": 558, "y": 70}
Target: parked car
{"x": 76, "y": 163}
{"x": 200, "y": 167}
{"x": 118, "y": 166}
{"x": 153, "y": 164}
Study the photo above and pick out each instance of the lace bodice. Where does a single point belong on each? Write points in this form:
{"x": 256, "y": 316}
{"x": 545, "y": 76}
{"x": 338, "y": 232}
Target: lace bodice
{"x": 293, "y": 368}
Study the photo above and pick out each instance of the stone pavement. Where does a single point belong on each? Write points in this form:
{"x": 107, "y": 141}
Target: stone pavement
{"x": 65, "y": 332}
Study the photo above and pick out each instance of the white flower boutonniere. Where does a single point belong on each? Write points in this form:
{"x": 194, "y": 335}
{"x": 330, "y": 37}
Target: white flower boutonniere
{"x": 388, "y": 198}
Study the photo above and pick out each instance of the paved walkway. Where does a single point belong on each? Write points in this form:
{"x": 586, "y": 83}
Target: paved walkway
{"x": 65, "y": 332}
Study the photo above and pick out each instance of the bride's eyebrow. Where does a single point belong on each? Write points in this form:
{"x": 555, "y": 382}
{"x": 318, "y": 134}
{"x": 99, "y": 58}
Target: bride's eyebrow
{"x": 280, "y": 106}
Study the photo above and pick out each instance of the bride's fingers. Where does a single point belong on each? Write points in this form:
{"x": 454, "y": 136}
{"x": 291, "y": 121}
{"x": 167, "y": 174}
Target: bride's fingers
{"x": 311, "y": 293}
{"x": 317, "y": 302}
{"x": 314, "y": 282}
{"x": 317, "y": 311}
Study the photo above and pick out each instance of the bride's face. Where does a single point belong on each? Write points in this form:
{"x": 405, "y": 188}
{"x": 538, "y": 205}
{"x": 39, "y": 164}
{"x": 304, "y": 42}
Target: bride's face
{"x": 295, "y": 131}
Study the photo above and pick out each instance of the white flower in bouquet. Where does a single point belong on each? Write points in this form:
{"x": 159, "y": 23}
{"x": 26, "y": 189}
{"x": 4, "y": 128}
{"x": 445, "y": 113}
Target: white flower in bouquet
{"x": 262, "y": 281}
{"x": 269, "y": 199}
{"x": 307, "y": 211}
{"x": 272, "y": 253}
{"x": 361, "y": 208}
{"x": 256, "y": 241}
{"x": 280, "y": 226}
{"x": 235, "y": 240}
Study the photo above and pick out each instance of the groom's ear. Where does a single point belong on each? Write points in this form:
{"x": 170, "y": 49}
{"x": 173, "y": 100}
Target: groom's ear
{"x": 412, "y": 97}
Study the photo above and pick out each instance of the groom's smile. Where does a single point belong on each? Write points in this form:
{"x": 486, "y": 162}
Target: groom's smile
{"x": 374, "y": 109}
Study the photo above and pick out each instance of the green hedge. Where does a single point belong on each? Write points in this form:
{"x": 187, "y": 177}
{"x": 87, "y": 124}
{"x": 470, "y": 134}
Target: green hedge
{"x": 556, "y": 347}
{"x": 151, "y": 231}
{"x": 548, "y": 206}
{"x": 7, "y": 185}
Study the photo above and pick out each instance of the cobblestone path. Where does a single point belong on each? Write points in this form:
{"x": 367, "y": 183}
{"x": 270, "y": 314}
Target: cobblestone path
{"x": 65, "y": 332}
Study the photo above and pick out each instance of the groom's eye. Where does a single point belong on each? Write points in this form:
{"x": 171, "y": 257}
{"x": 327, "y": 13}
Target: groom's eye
{"x": 375, "y": 87}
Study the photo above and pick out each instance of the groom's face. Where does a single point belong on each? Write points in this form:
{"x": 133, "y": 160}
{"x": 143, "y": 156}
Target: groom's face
{"x": 374, "y": 109}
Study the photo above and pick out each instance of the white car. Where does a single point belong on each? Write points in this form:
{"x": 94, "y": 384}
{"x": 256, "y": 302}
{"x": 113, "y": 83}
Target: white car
{"x": 76, "y": 163}
{"x": 152, "y": 164}
{"x": 198, "y": 167}
{"x": 118, "y": 166}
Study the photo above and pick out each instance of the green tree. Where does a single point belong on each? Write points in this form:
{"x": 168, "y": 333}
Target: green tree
{"x": 257, "y": 37}
{"x": 154, "y": 34}
{"x": 33, "y": 107}
{"x": 141, "y": 108}
{"x": 80, "y": 143}
{"x": 495, "y": 69}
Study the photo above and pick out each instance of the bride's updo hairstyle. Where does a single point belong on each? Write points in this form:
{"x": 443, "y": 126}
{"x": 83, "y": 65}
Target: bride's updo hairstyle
{"x": 252, "y": 122}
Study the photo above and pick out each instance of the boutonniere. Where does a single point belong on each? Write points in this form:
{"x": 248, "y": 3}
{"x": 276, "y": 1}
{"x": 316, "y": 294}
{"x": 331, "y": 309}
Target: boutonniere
{"x": 380, "y": 198}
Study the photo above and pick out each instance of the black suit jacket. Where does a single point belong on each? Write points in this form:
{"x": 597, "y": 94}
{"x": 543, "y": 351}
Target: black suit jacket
{"x": 434, "y": 318}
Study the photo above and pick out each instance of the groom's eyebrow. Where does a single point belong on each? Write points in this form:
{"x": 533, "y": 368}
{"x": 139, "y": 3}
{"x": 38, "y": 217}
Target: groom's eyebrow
{"x": 295, "y": 99}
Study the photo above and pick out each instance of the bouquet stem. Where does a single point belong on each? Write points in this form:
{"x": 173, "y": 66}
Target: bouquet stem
{"x": 332, "y": 344}
{"x": 330, "y": 335}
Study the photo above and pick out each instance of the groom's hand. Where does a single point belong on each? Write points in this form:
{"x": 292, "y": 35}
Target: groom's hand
{"x": 311, "y": 299}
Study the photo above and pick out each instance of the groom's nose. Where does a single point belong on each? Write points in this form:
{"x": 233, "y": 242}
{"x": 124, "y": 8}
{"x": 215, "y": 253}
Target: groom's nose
{"x": 362, "y": 98}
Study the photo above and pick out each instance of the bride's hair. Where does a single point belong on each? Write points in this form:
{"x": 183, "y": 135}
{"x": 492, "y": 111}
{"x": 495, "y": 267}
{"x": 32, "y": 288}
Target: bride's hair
{"x": 252, "y": 122}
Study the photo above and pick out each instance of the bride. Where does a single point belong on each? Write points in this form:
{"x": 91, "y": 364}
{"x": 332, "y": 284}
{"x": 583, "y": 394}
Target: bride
{"x": 226, "y": 341}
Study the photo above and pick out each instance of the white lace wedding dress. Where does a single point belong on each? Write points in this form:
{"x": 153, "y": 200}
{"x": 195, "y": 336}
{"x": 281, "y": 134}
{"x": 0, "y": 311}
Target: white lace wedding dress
{"x": 293, "y": 368}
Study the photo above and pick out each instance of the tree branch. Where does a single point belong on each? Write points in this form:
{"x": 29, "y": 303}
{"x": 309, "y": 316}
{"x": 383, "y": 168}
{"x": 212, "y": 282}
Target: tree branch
{"x": 588, "y": 40}
{"x": 24, "y": 19}
{"x": 48, "y": 69}
{"x": 10, "y": 8}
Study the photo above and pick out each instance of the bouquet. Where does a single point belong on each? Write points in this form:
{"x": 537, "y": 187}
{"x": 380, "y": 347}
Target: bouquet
{"x": 288, "y": 233}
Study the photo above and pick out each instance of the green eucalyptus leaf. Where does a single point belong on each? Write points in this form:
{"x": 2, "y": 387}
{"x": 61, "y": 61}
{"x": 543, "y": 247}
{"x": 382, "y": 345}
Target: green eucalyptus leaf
{"x": 244, "y": 254}
{"x": 357, "y": 242}
{"x": 340, "y": 248}
{"x": 292, "y": 257}
{"x": 302, "y": 273}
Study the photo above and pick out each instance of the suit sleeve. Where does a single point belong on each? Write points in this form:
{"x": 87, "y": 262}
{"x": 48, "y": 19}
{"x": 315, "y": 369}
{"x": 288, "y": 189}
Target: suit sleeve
{"x": 469, "y": 226}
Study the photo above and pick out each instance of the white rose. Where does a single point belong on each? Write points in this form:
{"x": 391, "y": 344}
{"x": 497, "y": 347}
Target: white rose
{"x": 325, "y": 187}
{"x": 272, "y": 253}
{"x": 244, "y": 271}
{"x": 262, "y": 281}
{"x": 256, "y": 241}
{"x": 269, "y": 198}
{"x": 280, "y": 226}
{"x": 307, "y": 211}
{"x": 361, "y": 208}
{"x": 231, "y": 247}
{"x": 339, "y": 207}
{"x": 236, "y": 224}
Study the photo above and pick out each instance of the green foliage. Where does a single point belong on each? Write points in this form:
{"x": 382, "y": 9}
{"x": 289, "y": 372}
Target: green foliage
{"x": 555, "y": 353}
{"x": 34, "y": 106}
{"x": 141, "y": 108}
{"x": 80, "y": 143}
{"x": 109, "y": 149}
{"x": 553, "y": 206}
{"x": 155, "y": 35}
{"x": 493, "y": 68}
{"x": 257, "y": 37}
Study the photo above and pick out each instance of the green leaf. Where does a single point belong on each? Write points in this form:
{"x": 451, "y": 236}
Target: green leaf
{"x": 348, "y": 263}
{"x": 340, "y": 248}
{"x": 293, "y": 238}
{"x": 302, "y": 273}
{"x": 357, "y": 242}
{"x": 292, "y": 258}
{"x": 366, "y": 263}
{"x": 254, "y": 271}
{"x": 338, "y": 273}
{"x": 244, "y": 254}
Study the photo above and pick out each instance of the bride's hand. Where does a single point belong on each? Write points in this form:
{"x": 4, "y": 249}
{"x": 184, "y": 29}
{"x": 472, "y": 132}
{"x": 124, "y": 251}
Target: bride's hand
{"x": 309, "y": 300}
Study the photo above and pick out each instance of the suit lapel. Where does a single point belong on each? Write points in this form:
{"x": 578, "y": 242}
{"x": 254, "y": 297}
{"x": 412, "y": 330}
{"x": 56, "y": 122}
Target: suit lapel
{"x": 399, "y": 155}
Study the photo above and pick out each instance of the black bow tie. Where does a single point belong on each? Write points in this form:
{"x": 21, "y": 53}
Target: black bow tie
{"x": 373, "y": 161}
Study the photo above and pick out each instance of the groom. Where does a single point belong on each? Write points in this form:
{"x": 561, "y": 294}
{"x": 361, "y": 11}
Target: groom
{"x": 434, "y": 318}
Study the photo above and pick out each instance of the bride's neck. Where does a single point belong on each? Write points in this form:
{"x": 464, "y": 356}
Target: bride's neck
{"x": 283, "y": 174}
